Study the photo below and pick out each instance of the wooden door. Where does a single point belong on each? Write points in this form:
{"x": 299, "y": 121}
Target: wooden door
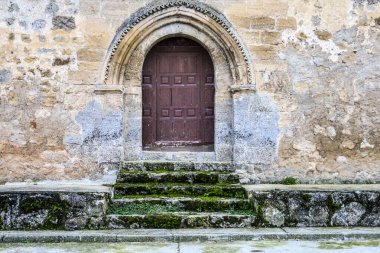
{"x": 178, "y": 95}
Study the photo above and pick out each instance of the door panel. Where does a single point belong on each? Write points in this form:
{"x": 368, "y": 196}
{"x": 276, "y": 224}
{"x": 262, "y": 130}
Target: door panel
{"x": 178, "y": 95}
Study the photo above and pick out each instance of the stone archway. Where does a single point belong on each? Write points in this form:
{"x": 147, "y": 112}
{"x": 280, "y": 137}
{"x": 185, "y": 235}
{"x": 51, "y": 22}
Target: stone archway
{"x": 166, "y": 13}
{"x": 235, "y": 97}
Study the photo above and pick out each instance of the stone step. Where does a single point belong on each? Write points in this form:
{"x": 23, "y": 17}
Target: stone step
{"x": 174, "y": 190}
{"x": 177, "y": 177}
{"x": 176, "y": 166}
{"x": 180, "y": 220}
{"x": 210, "y": 204}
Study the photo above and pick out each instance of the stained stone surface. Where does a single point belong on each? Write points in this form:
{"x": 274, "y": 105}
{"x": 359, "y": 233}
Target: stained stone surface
{"x": 308, "y": 206}
{"x": 312, "y": 113}
{"x": 256, "y": 129}
{"x": 205, "y": 247}
{"x": 52, "y": 208}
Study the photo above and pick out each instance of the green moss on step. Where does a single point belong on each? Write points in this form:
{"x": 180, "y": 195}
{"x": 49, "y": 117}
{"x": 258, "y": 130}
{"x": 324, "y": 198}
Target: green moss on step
{"x": 220, "y": 190}
{"x": 165, "y": 221}
{"x": 205, "y": 204}
{"x": 288, "y": 181}
{"x": 206, "y": 178}
{"x": 57, "y": 210}
{"x": 142, "y": 208}
{"x": 158, "y": 184}
{"x": 306, "y": 198}
{"x": 259, "y": 220}
{"x": 4, "y": 203}
{"x": 333, "y": 207}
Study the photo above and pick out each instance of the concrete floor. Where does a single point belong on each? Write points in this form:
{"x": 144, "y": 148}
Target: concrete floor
{"x": 201, "y": 247}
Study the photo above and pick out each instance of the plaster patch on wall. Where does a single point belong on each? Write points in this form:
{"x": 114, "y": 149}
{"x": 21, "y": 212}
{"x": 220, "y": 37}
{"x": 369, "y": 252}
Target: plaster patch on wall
{"x": 255, "y": 128}
{"x": 5, "y": 76}
{"x": 100, "y": 138}
{"x": 308, "y": 38}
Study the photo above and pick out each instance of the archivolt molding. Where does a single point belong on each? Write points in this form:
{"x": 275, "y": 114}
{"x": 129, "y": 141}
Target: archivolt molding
{"x": 158, "y": 6}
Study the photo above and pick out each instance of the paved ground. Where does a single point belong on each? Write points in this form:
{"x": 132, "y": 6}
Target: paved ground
{"x": 195, "y": 247}
{"x": 190, "y": 235}
{"x": 303, "y": 240}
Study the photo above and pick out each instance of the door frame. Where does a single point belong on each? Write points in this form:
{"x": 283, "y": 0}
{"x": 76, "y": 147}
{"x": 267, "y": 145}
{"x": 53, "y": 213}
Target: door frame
{"x": 150, "y": 139}
{"x": 203, "y": 24}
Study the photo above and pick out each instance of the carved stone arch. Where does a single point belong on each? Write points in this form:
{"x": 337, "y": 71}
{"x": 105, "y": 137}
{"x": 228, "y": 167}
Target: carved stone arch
{"x": 159, "y": 14}
{"x": 130, "y": 75}
{"x": 237, "y": 116}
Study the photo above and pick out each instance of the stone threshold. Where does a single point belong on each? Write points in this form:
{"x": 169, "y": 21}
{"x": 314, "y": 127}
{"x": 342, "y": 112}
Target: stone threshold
{"x": 184, "y": 156}
{"x": 313, "y": 187}
{"x": 190, "y": 235}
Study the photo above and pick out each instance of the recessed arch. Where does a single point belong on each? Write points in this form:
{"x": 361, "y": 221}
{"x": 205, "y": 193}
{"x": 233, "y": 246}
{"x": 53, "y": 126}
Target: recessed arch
{"x": 199, "y": 22}
{"x": 159, "y": 14}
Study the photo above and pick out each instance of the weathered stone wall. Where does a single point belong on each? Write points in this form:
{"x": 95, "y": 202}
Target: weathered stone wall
{"x": 316, "y": 63}
{"x": 316, "y": 207}
{"x": 52, "y": 210}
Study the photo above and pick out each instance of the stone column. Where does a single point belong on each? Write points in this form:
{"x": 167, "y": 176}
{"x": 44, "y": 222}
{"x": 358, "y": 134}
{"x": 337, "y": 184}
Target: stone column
{"x": 133, "y": 122}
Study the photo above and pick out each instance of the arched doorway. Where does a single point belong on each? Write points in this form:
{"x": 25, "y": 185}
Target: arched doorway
{"x": 177, "y": 95}
{"x": 235, "y": 99}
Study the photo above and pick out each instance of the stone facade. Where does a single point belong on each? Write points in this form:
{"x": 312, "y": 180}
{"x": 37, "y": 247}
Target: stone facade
{"x": 294, "y": 207}
{"x": 297, "y": 86}
{"x": 52, "y": 210}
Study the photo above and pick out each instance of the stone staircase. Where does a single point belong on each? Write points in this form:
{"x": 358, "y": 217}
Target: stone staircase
{"x": 179, "y": 195}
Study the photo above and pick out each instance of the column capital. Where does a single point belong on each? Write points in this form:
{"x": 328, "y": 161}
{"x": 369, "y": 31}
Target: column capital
{"x": 251, "y": 87}
{"x": 107, "y": 88}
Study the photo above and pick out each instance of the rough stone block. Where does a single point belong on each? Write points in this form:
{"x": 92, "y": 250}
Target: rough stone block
{"x": 264, "y": 52}
{"x": 273, "y": 38}
{"x": 286, "y": 23}
{"x": 64, "y": 23}
{"x": 90, "y": 55}
{"x": 89, "y": 7}
{"x": 262, "y": 23}
{"x": 83, "y": 77}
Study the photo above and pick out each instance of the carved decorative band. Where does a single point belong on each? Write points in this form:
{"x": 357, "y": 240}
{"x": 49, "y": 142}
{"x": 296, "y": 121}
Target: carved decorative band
{"x": 242, "y": 88}
{"x": 109, "y": 89}
{"x": 159, "y": 5}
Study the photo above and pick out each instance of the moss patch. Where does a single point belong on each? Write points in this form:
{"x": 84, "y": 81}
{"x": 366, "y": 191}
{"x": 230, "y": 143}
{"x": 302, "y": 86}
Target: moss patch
{"x": 4, "y": 203}
{"x": 57, "y": 210}
{"x": 288, "y": 181}
{"x": 167, "y": 221}
{"x": 268, "y": 244}
{"x": 241, "y": 208}
{"x": 332, "y": 206}
{"x": 217, "y": 190}
{"x": 142, "y": 208}
{"x": 347, "y": 245}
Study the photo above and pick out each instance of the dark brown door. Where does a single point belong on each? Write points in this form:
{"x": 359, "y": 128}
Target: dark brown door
{"x": 178, "y": 95}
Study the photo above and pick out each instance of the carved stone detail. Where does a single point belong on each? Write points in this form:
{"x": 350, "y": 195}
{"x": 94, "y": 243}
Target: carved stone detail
{"x": 160, "y": 5}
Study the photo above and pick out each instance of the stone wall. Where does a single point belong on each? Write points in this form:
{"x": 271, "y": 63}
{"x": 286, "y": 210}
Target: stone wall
{"x": 315, "y": 63}
{"x": 52, "y": 210}
{"x": 294, "y": 207}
